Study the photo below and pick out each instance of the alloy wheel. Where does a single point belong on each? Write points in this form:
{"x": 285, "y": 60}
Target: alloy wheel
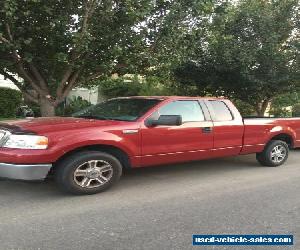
{"x": 93, "y": 174}
{"x": 278, "y": 153}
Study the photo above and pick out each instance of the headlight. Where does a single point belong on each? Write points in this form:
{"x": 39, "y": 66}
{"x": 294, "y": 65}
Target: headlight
{"x": 26, "y": 142}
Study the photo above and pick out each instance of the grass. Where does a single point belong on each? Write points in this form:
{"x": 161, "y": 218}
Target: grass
{"x": 11, "y": 118}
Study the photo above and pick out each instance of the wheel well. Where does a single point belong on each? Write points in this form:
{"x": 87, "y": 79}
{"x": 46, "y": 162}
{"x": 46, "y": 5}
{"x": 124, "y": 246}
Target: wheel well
{"x": 114, "y": 151}
{"x": 286, "y": 138}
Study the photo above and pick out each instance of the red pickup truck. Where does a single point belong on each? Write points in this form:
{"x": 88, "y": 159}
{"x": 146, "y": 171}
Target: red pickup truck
{"x": 87, "y": 152}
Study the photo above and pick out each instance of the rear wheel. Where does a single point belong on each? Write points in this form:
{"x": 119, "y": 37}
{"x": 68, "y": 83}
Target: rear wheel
{"x": 275, "y": 154}
{"x": 88, "y": 172}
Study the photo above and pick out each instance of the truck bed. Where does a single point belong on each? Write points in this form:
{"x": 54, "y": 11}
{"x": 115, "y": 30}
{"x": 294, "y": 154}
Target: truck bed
{"x": 259, "y": 129}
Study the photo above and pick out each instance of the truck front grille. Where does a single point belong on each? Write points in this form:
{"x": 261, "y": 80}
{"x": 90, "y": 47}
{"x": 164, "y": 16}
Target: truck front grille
{"x": 3, "y": 136}
{"x": 2, "y": 133}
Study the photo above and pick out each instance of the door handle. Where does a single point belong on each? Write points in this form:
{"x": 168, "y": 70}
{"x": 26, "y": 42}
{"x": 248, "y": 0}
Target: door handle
{"x": 206, "y": 129}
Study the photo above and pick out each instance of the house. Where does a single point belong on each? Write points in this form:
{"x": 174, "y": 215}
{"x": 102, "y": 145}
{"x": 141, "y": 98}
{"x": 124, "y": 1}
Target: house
{"x": 4, "y": 83}
{"x": 92, "y": 95}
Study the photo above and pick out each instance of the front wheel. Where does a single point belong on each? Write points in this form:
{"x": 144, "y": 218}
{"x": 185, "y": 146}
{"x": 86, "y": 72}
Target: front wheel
{"x": 275, "y": 154}
{"x": 88, "y": 172}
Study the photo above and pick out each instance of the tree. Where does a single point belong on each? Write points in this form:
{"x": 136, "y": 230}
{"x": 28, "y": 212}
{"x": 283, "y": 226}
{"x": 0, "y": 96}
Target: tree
{"x": 55, "y": 45}
{"x": 281, "y": 105}
{"x": 296, "y": 110}
{"x": 250, "y": 52}
{"x": 134, "y": 86}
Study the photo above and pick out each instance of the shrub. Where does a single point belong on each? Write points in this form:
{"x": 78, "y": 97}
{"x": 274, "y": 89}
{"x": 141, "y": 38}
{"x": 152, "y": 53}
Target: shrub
{"x": 296, "y": 110}
{"x": 133, "y": 86}
{"x": 280, "y": 112}
{"x": 280, "y": 104}
{"x": 76, "y": 104}
{"x": 111, "y": 88}
{"x": 10, "y": 99}
{"x": 36, "y": 109}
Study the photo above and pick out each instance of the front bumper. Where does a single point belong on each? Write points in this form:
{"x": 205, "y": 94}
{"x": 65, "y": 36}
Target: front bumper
{"x": 28, "y": 172}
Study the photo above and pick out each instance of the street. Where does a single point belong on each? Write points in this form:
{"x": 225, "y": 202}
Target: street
{"x": 157, "y": 208}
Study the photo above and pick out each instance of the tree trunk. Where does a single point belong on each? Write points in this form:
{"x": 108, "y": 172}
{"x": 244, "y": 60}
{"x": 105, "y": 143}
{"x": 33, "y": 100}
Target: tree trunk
{"x": 46, "y": 108}
{"x": 262, "y": 107}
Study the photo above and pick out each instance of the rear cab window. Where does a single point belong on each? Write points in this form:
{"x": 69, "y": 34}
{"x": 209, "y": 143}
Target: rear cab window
{"x": 220, "y": 110}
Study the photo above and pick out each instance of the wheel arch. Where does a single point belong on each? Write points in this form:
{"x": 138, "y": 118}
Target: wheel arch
{"x": 286, "y": 137}
{"x": 120, "y": 154}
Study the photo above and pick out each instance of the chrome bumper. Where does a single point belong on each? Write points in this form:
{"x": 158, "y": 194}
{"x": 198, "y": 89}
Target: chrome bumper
{"x": 28, "y": 172}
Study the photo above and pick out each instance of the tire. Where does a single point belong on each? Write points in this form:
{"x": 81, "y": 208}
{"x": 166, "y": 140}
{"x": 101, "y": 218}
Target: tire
{"x": 88, "y": 172}
{"x": 268, "y": 156}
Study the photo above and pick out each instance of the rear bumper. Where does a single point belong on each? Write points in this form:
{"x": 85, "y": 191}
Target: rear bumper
{"x": 28, "y": 172}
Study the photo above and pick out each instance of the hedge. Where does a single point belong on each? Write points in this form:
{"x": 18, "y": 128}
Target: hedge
{"x": 10, "y": 99}
{"x": 296, "y": 110}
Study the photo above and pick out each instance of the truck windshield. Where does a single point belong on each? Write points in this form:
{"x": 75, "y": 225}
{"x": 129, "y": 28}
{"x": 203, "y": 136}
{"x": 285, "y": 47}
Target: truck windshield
{"x": 122, "y": 109}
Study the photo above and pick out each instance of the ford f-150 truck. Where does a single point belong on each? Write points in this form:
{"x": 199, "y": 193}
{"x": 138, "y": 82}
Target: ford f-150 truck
{"x": 87, "y": 152}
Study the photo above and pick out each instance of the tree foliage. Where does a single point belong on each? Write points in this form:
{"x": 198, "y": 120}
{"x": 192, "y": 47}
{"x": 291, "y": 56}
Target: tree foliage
{"x": 250, "y": 52}
{"x": 134, "y": 86}
{"x": 296, "y": 110}
{"x": 49, "y": 47}
{"x": 281, "y": 105}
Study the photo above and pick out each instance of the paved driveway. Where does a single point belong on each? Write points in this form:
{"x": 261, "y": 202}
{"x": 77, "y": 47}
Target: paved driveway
{"x": 156, "y": 208}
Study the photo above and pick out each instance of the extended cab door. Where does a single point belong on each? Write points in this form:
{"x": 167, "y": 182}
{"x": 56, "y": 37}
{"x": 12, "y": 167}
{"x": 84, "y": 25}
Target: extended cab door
{"x": 190, "y": 141}
{"x": 228, "y": 127}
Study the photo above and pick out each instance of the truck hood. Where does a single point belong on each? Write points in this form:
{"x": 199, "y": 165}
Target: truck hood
{"x": 45, "y": 125}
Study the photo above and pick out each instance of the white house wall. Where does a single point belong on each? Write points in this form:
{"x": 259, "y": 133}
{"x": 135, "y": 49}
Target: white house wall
{"x": 90, "y": 95}
{"x": 6, "y": 83}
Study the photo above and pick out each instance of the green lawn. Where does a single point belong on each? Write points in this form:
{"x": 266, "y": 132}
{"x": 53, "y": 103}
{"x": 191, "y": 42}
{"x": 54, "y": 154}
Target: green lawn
{"x": 3, "y": 119}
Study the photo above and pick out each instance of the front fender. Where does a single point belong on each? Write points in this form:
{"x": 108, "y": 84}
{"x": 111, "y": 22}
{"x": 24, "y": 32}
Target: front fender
{"x": 130, "y": 143}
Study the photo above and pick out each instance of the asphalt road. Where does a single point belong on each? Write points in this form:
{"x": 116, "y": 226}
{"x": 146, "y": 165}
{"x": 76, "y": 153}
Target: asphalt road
{"x": 157, "y": 208}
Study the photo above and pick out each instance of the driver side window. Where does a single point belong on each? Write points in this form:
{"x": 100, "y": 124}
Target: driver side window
{"x": 190, "y": 111}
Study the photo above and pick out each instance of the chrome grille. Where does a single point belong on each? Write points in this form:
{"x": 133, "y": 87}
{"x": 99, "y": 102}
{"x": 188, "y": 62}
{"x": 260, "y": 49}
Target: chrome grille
{"x": 3, "y": 136}
{"x": 2, "y": 133}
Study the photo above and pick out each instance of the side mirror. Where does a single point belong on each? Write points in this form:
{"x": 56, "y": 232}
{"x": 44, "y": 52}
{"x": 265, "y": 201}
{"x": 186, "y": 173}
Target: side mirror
{"x": 167, "y": 120}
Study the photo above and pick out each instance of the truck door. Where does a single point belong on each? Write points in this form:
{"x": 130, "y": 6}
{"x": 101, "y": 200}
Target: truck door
{"x": 190, "y": 141}
{"x": 228, "y": 127}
